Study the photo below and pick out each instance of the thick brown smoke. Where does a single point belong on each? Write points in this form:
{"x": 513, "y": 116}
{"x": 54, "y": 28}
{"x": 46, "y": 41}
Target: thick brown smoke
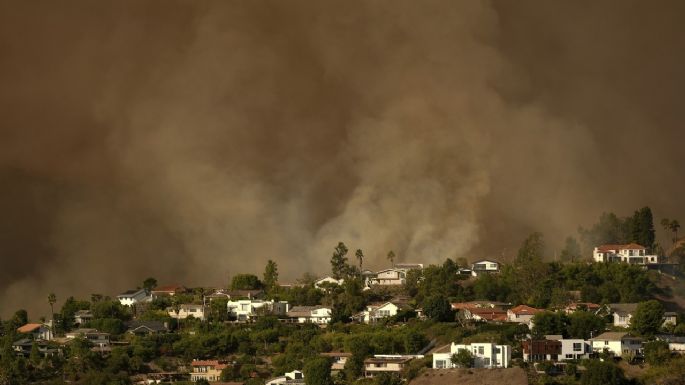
{"x": 193, "y": 140}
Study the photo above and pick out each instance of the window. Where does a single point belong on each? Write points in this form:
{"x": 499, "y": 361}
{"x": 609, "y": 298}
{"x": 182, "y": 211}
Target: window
{"x": 577, "y": 347}
{"x": 440, "y": 364}
{"x": 569, "y": 356}
{"x": 486, "y": 361}
{"x": 498, "y": 350}
{"x": 606, "y": 343}
{"x": 481, "y": 350}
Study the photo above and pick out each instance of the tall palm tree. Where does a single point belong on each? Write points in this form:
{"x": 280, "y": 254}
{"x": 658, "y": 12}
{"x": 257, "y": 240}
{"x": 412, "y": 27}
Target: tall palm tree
{"x": 675, "y": 226}
{"x": 391, "y": 257}
{"x": 52, "y": 298}
{"x": 360, "y": 258}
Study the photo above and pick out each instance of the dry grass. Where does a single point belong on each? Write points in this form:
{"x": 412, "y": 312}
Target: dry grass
{"x": 511, "y": 376}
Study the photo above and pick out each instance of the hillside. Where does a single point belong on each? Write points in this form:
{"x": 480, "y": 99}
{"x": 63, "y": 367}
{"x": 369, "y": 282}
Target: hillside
{"x": 511, "y": 376}
{"x": 672, "y": 291}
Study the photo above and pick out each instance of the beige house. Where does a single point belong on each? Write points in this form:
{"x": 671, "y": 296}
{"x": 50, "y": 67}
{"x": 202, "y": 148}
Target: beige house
{"x": 391, "y": 364}
{"x": 187, "y": 310}
{"x": 209, "y": 370}
{"x": 339, "y": 359}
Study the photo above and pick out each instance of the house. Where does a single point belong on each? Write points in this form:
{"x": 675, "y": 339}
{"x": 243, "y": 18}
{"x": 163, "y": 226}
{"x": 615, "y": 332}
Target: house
{"x": 484, "y": 266}
{"x": 541, "y": 350}
{"x": 676, "y": 344}
{"x": 296, "y": 377}
{"x": 378, "y": 311}
{"x": 235, "y": 294}
{"x": 310, "y": 314}
{"x": 132, "y": 297}
{"x": 484, "y": 314}
{"x": 248, "y": 309}
{"x": 24, "y": 346}
{"x": 622, "y": 313}
{"x": 322, "y": 283}
{"x": 38, "y": 331}
{"x": 631, "y": 253}
{"x": 396, "y": 275}
{"x": 147, "y": 327}
{"x": 480, "y": 305}
{"x": 486, "y": 355}
{"x": 339, "y": 359}
{"x": 209, "y": 370}
{"x": 670, "y": 318}
{"x": 82, "y": 317}
{"x": 522, "y": 314}
{"x": 618, "y": 343}
{"x": 98, "y": 339}
{"x": 390, "y": 364}
{"x": 573, "y": 348}
{"x": 581, "y": 306}
{"x": 187, "y": 310}
{"x": 168, "y": 291}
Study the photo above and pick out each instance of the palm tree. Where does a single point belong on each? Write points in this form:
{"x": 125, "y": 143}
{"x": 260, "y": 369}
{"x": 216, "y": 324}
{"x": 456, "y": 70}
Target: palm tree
{"x": 52, "y": 298}
{"x": 675, "y": 226}
{"x": 360, "y": 258}
{"x": 391, "y": 257}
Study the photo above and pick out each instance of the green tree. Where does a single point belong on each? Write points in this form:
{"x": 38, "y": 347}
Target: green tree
{"x": 673, "y": 226}
{"x": 414, "y": 341}
{"x": 648, "y": 318}
{"x": 149, "y": 284}
{"x": 529, "y": 268}
{"x": 602, "y": 373}
{"x": 657, "y": 352}
{"x": 360, "y": 257}
{"x": 270, "y": 275}
{"x": 339, "y": 261}
{"x": 317, "y": 371}
{"x": 387, "y": 379}
{"x": 548, "y": 322}
{"x": 438, "y": 308}
{"x": 571, "y": 251}
{"x": 391, "y": 257}
{"x": 245, "y": 282}
{"x": 643, "y": 227}
{"x": 463, "y": 358}
{"x": 583, "y": 324}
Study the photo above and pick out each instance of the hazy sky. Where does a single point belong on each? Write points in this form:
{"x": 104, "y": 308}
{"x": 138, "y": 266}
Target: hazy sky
{"x": 192, "y": 140}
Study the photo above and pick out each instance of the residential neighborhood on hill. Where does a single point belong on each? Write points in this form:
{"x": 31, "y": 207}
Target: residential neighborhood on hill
{"x": 359, "y": 326}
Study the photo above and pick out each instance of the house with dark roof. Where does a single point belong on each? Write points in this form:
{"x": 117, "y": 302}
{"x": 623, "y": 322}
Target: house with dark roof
{"x": 132, "y": 297}
{"x": 147, "y": 327}
{"x": 484, "y": 266}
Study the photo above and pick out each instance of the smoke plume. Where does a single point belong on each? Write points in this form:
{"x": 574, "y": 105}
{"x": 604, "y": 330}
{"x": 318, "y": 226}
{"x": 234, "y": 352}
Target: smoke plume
{"x": 190, "y": 140}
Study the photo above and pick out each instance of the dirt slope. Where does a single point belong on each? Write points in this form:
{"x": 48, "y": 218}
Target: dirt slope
{"x": 511, "y": 376}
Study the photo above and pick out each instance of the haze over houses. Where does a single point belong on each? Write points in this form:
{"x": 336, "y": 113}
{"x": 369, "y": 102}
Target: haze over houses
{"x": 373, "y": 321}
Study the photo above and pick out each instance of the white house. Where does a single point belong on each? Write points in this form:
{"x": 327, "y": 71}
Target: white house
{"x": 187, "y": 310}
{"x": 396, "y": 275}
{"x": 618, "y": 343}
{"x": 676, "y": 344}
{"x": 631, "y": 253}
{"x": 484, "y": 266}
{"x": 39, "y": 331}
{"x": 247, "y": 309}
{"x": 131, "y": 297}
{"x": 310, "y": 314}
{"x": 522, "y": 314}
{"x": 376, "y": 312}
{"x": 295, "y": 377}
{"x": 326, "y": 281}
{"x": 486, "y": 355}
{"x": 572, "y": 348}
{"x": 622, "y": 313}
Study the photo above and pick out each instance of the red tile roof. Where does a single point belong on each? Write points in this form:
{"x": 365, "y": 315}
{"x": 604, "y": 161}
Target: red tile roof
{"x": 215, "y": 363}
{"x": 525, "y": 310}
{"x": 28, "y": 328}
{"x": 629, "y": 246}
{"x": 490, "y": 314}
